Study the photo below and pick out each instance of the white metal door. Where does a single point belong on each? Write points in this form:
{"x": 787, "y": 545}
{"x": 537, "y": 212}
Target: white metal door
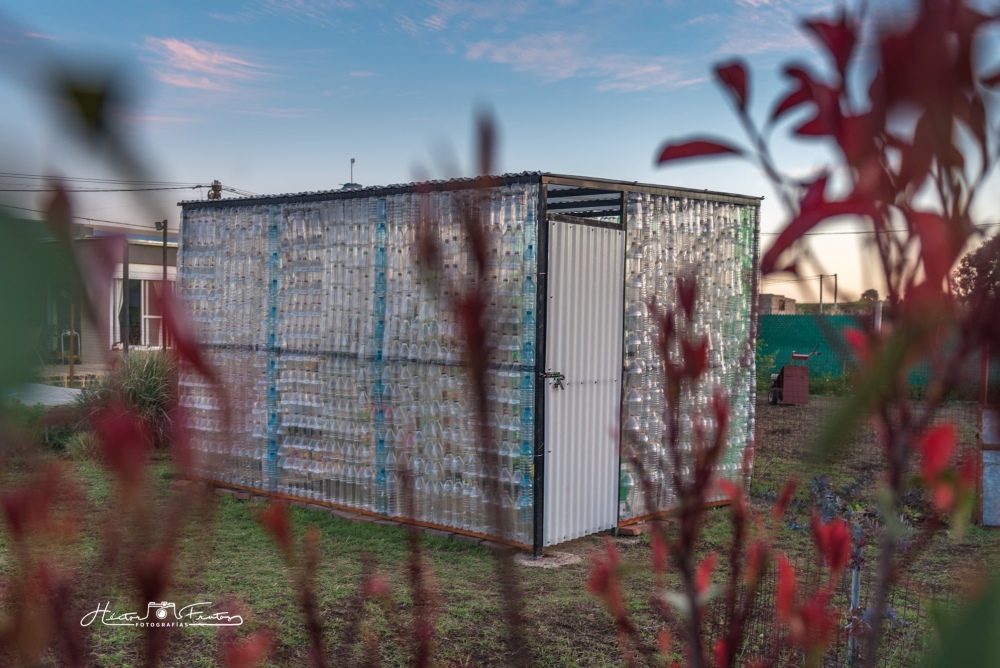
{"x": 584, "y": 344}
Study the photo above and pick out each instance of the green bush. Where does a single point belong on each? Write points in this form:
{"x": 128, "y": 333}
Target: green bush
{"x": 82, "y": 445}
{"x": 41, "y": 424}
{"x": 765, "y": 363}
{"x": 830, "y": 386}
{"x": 144, "y": 383}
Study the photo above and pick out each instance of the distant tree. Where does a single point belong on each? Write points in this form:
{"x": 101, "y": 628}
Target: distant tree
{"x": 869, "y": 295}
{"x": 978, "y": 274}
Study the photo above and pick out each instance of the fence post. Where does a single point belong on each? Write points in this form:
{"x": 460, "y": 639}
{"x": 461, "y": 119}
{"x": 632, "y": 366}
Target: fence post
{"x": 853, "y": 646}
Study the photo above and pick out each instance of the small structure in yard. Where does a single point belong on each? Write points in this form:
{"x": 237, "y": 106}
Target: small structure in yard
{"x": 791, "y": 384}
{"x": 346, "y": 372}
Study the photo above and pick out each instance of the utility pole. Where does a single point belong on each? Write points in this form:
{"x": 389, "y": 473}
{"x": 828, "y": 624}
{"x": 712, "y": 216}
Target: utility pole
{"x": 821, "y": 294}
{"x": 834, "y": 293}
{"x": 123, "y": 317}
{"x": 162, "y": 225}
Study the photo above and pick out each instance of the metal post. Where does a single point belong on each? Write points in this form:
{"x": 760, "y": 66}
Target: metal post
{"x": 123, "y": 318}
{"x": 72, "y": 336}
{"x": 163, "y": 330}
{"x": 834, "y": 293}
{"x": 984, "y": 376}
{"x": 541, "y": 315}
{"x": 623, "y": 217}
{"x": 821, "y": 294}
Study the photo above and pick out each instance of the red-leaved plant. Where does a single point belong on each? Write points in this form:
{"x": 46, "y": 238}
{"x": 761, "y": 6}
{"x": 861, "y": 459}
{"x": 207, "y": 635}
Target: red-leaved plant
{"x": 903, "y": 103}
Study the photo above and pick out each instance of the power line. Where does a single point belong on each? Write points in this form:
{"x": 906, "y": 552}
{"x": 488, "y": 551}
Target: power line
{"x": 96, "y": 190}
{"x": 92, "y": 220}
{"x": 83, "y": 179}
{"x": 902, "y": 229}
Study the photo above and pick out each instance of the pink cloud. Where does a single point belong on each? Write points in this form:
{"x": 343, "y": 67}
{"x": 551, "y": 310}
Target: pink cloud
{"x": 558, "y": 56}
{"x": 200, "y": 65}
{"x": 39, "y": 35}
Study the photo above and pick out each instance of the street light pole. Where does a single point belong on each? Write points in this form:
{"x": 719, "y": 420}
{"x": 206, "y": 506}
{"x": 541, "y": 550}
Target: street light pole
{"x": 162, "y": 225}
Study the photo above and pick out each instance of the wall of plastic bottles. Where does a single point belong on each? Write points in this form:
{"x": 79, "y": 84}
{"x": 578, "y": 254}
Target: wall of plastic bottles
{"x": 344, "y": 371}
{"x": 717, "y": 243}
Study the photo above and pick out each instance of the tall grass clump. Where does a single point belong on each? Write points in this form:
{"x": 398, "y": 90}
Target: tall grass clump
{"x": 145, "y": 384}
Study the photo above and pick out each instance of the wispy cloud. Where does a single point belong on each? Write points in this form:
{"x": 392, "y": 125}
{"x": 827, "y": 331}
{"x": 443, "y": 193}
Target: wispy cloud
{"x": 200, "y": 65}
{"x": 311, "y": 11}
{"x": 137, "y": 119}
{"x": 39, "y": 35}
{"x": 462, "y": 14}
{"x": 557, "y": 56}
{"x": 407, "y": 24}
{"x": 701, "y": 19}
{"x": 761, "y": 26}
{"x": 316, "y": 12}
{"x": 275, "y": 112}
{"x": 362, "y": 74}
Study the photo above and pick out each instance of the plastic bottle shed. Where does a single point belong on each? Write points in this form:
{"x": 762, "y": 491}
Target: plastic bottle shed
{"x": 345, "y": 373}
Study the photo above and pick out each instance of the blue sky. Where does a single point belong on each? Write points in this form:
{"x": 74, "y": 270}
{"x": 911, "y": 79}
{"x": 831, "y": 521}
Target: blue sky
{"x": 276, "y": 96}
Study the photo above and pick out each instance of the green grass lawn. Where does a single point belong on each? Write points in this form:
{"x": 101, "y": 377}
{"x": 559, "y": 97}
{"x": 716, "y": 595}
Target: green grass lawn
{"x": 226, "y": 557}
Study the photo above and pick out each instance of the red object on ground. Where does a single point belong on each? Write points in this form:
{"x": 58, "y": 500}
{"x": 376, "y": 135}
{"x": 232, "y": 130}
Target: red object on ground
{"x": 795, "y": 389}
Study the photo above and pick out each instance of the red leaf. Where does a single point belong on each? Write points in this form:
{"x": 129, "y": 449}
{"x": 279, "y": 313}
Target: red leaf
{"x": 152, "y": 572}
{"x": 784, "y": 498}
{"x": 696, "y": 148}
{"x": 687, "y": 292}
{"x": 833, "y": 540}
{"x": 839, "y": 39}
{"x": 124, "y": 444}
{"x": 695, "y": 357}
{"x": 247, "y": 653}
{"x": 58, "y": 214}
{"x": 936, "y": 248}
{"x": 721, "y": 653}
{"x": 659, "y": 553}
{"x": 97, "y": 261}
{"x": 756, "y": 556}
{"x": 704, "y": 575}
{"x": 786, "y": 589}
{"x": 179, "y": 331}
{"x": 275, "y": 520}
{"x": 859, "y": 342}
{"x": 817, "y": 622}
{"x": 936, "y": 448}
{"x": 377, "y": 586}
{"x": 733, "y": 75}
{"x": 802, "y": 93}
{"x": 991, "y": 80}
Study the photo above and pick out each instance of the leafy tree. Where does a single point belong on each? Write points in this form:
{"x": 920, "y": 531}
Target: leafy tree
{"x": 978, "y": 273}
{"x": 869, "y": 295}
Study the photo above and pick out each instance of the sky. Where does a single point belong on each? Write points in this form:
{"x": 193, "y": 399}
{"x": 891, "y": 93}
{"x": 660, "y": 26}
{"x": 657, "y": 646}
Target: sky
{"x": 276, "y": 96}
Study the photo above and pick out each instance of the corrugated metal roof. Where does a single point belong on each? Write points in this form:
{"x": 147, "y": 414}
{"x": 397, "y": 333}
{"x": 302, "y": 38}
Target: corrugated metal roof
{"x": 469, "y": 182}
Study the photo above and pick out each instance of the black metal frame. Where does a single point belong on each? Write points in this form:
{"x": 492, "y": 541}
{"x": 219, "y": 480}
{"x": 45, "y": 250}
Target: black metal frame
{"x": 541, "y": 325}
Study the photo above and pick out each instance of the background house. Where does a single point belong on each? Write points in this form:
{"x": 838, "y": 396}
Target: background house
{"x": 775, "y": 305}
{"x": 97, "y": 337}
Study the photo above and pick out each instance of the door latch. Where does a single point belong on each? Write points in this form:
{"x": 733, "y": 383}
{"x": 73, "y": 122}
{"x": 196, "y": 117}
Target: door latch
{"x": 557, "y": 377}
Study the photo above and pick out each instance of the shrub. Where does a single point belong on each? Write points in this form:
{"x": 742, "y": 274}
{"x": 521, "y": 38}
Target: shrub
{"x": 144, "y": 383}
{"x": 81, "y": 445}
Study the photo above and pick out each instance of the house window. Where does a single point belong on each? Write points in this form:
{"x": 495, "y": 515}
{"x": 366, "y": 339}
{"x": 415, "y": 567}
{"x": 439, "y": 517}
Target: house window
{"x": 142, "y": 299}
{"x": 781, "y": 304}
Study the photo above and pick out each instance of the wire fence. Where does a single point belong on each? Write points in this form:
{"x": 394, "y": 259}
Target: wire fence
{"x": 908, "y": 629}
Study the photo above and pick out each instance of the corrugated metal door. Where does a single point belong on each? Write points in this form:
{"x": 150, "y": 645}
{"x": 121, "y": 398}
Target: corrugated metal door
{"x": 584, "y": 344}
